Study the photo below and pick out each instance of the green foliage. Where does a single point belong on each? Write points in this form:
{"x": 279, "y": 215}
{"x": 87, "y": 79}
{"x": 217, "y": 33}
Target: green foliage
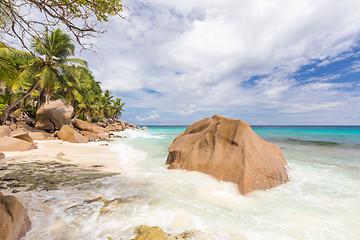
{"x": 26, "y": 79}
{"x": 79, "y": 17}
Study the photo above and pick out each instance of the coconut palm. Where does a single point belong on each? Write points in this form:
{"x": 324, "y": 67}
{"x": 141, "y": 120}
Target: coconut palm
{"x": 117, "y": 108}
{"x": 49, "y": 68}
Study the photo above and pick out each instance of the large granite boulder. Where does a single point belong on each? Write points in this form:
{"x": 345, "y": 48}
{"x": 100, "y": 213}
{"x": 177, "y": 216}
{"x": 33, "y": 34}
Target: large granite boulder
{"x": 5, "y": 131}
{"x": 16, "y": 144}
{"x": 53, "y": 115}
{"x": 69, "y": 134}
{"x": 230, "y": 151}
{"x": 14, "y": 220}
{"x": 85, "y": 126}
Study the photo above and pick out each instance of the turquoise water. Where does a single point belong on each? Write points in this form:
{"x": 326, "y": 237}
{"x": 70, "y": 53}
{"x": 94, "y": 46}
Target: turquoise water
{"x": 321, "y": 200}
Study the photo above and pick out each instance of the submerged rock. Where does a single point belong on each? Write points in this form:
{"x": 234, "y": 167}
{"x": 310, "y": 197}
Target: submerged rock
{"x": 53, "y": 115}
{"x": 155, "y": 233}
{"x": 230, "y": 151}
{"x": 14, "y": 220}
{"x": 151, "y": 233}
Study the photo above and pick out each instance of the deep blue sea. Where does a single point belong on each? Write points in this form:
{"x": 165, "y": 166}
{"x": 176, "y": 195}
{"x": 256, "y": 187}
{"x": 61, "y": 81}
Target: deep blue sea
{"x": 321, "y": 200}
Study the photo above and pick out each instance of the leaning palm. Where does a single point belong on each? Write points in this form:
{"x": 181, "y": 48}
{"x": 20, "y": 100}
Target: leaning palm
{"x": 50, "y": 67}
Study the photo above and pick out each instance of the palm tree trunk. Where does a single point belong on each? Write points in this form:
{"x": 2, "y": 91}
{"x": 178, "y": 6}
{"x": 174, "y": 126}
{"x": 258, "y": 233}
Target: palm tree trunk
{"x": 7, "y": 110}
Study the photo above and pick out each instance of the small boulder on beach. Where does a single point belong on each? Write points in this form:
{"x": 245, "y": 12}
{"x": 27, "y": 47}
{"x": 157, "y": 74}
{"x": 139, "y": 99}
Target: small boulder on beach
{"x": 230, "y": 151}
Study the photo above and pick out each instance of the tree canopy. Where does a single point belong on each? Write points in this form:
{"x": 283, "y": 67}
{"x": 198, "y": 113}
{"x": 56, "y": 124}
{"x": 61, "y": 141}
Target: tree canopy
{"x": 27, "y": 81}
{"x": 23, "y": 19}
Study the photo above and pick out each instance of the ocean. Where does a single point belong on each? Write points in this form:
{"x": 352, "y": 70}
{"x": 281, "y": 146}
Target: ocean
{"x": 321, "y": 200}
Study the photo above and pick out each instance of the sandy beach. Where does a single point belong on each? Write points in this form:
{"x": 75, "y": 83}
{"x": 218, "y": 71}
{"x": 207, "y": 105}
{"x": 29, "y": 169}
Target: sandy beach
{"x": 93, "y": 155}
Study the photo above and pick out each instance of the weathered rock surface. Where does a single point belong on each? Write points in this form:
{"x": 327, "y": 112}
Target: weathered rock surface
{"x": 69, "y": 134}
{"x": 230, "y": 151}
{"x": 5, "y": 131}
{"x": 151, "y": 233}
{"x": 14, "y": 220}
{"x": 93, "y": 136}
{"x": 15, "y": 144}
{"x": 85, "y": 126}
{"x": 21, "y": 133}
{"x": 41, "y": 135}
{"x": 115, "y": 127}
{"x": 53, "y": 115}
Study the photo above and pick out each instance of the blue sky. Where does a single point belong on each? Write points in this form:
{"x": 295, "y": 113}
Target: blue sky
{"x": 265, "y": 62}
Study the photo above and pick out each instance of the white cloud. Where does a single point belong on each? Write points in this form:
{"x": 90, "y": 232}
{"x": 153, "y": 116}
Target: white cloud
{"x": 201, "y": 53}
{"x": 143, "y": 119}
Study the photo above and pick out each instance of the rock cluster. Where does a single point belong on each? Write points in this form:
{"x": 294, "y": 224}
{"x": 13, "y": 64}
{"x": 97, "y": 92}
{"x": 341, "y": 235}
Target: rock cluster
{"x": 230, "y": 151}
{"x": 53, "y": 121}
{"x": 14, "y": 220}
{"x": 16, "y": 138}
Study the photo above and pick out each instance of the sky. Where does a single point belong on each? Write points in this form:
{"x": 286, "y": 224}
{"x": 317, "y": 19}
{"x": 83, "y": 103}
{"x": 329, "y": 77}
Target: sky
{"x": 276, "y": 62}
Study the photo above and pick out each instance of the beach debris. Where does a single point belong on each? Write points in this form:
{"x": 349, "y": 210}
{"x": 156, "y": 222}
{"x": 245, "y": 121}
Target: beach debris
{"x": 14, "y": 220}
{"x": 230, "y": 151}
{"x": 53, "y": 115}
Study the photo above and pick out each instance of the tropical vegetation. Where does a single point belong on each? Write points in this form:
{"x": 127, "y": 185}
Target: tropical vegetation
{"x": 49, "y": 72}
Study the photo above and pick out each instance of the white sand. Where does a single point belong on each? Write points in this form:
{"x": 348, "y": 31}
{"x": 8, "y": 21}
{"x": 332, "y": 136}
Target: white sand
{"x": 91, "y": 154}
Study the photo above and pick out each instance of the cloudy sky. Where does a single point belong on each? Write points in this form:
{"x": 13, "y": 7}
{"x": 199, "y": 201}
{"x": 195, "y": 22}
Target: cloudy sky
{"x": 265, "y": 62}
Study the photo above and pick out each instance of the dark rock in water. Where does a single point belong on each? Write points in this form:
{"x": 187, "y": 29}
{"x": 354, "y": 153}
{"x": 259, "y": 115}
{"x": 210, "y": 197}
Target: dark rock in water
{"x": 230, "y": 151}
{"x": 53, "y": 115}
{"x": 14, "y": 220}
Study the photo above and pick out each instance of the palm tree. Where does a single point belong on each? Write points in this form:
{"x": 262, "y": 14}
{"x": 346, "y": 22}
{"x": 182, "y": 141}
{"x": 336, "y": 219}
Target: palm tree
{"x": 56, "y": 47}
{"x": 118, "y": 107}
{"x": 49, "y": 68}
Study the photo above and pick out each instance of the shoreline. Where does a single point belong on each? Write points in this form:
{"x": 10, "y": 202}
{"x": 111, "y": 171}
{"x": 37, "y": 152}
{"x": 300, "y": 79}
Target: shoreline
{"x": 96, "y": 156}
